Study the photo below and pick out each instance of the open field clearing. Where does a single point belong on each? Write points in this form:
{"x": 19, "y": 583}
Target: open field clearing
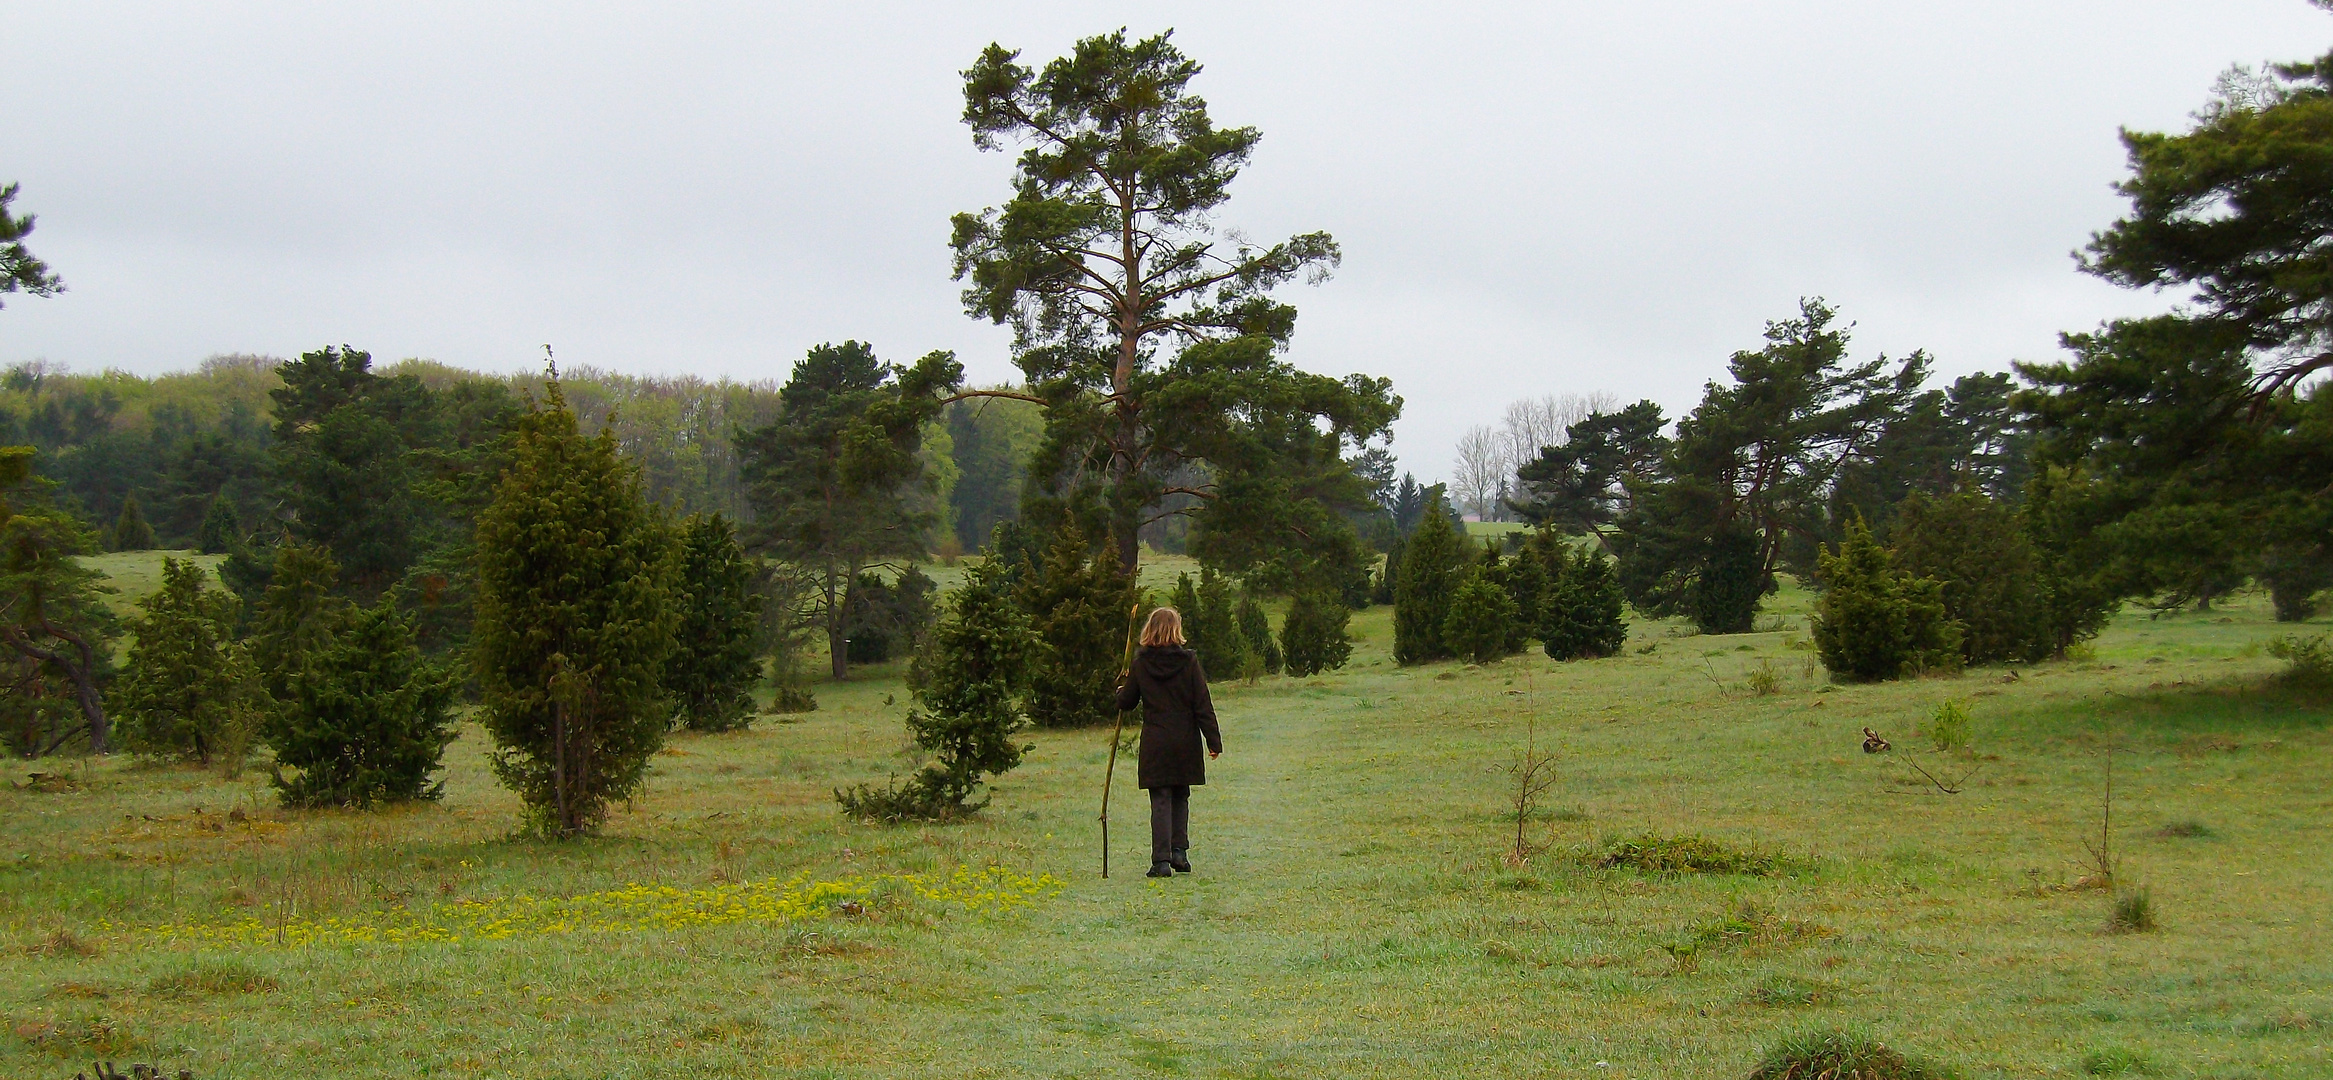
{"x": 1352, "y": 913}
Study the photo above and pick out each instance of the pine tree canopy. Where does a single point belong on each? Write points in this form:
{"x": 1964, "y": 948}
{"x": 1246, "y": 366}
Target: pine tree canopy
{"x": 1152, "y": 342}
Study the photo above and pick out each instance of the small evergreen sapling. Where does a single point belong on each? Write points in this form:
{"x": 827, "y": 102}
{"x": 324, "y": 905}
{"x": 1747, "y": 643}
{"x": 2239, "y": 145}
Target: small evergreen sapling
{"x": 969, "y": 679}
{"x": 714, "y": 663}
{"x": 1876, "y": 622}
{"x": 187, "y": 692}
{"x": 365, "y": 719}
{"x": 1313, "y": 635}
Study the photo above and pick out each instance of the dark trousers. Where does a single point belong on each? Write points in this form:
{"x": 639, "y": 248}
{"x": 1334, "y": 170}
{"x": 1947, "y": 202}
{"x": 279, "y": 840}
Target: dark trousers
{"x": 1170, "y": 821}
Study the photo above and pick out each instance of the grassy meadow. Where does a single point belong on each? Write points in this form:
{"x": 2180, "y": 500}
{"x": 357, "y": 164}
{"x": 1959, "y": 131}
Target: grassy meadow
{"x": 1354, "y": 912}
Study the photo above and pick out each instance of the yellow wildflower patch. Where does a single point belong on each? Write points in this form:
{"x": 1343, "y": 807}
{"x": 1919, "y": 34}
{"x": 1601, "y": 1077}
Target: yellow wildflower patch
{"x": 629, "y": 909}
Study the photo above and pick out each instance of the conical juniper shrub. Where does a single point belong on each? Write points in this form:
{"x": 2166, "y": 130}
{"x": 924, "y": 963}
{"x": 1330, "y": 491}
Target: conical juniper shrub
{"x": 187, "y": 691}
{"x": 1432, "y": 564}
{"x": 714, "y": 663}
{"x": 1583, "y": 616}
{"x": 1731, "y": 580}
{"x": 1875, "y": 622}
{"x": 1213, "y": 627}
{"x": 1978, "y": 551}
{"x": 297, "y": 615}
{"x": 1076, "y": 601}
{"x": 364, "y": 720}
{"x": 969, "y": 679}
{"x": 221, "y": 531}
{"x": 1256, "y": 627}
{"x": 577, "y": 577}
{"x": 1525, "y": 580}
{"x": 130, "y": 530}
{"x": 1481, "y": 621}
{"x": 1313, "y": 636}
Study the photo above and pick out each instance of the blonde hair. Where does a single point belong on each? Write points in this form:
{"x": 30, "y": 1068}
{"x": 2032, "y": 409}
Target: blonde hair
{"x": 1164, "y": 628}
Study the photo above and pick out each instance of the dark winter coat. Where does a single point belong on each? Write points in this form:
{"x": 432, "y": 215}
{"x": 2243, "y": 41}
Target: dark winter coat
{"x": 1176, "y": 712}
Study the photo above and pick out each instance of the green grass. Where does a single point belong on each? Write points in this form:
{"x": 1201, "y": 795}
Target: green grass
{"x": 135, "y": 575}
{"x": 1352, "y": 914}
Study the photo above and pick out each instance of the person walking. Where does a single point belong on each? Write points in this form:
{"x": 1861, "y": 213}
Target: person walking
{"x": 1165, "y": 679}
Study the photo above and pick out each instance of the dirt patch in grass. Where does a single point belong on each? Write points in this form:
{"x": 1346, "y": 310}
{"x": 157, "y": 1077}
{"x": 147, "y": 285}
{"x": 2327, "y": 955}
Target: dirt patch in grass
{"x": 99, "y": 1036}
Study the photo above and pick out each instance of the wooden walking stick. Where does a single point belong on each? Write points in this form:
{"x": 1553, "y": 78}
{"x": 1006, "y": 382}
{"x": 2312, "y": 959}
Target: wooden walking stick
{"x": 1125, "y": 672}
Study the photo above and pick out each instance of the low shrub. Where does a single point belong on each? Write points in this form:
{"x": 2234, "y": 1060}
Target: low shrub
{"x": 1763, "y": 680}
{"x": 1685, "y": 855}
{"x": 1948, "y": 728}
{"x": 2116, "y": 1061}
{"x": 1828, "y": 1054}
{"x": 2308, "y": 660}
{"x": 2189, "y": 829}
{"x": 2133, "y": 912}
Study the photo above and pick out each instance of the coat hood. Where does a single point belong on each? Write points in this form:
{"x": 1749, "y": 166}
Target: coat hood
{"x": 1164, "y": 663}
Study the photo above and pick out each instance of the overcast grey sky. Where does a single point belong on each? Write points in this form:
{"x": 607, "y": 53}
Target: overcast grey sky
{"x": 1537, "y": 198}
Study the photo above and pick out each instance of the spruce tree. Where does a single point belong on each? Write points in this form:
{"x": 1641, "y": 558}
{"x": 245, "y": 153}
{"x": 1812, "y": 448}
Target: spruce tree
{"x": 1876, "y": 622}
{"x": 575, "y": 619}
{"x": 1077, "y": 601}
{"x": 221, "y": 533}
{"x": 1582, "y": 615}
{"x": 1481, "y": 619}
{"x": 187, "y": 690}
{"x": 714, "y": 663}
{"x": 1313, "y": 636}
{"x": 130, "y": 530}
{"x": 364, "y": 720}
{"x": 1431, "y": 568}
{"x": 1256, "y": 627}
{"x": 969, "y": 679}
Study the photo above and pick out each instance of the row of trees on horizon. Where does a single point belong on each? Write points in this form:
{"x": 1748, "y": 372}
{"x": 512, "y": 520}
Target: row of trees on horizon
{"x": 475, "y": 532}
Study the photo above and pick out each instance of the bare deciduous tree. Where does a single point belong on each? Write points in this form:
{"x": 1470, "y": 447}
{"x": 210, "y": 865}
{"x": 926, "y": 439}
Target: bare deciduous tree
{"x": 1482, "y": 463}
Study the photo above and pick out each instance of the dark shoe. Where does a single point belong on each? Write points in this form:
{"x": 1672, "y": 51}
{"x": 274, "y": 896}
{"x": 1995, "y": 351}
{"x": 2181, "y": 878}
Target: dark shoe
{"x": 1181, "y": 861}
{"x": 1161, "y": 869}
